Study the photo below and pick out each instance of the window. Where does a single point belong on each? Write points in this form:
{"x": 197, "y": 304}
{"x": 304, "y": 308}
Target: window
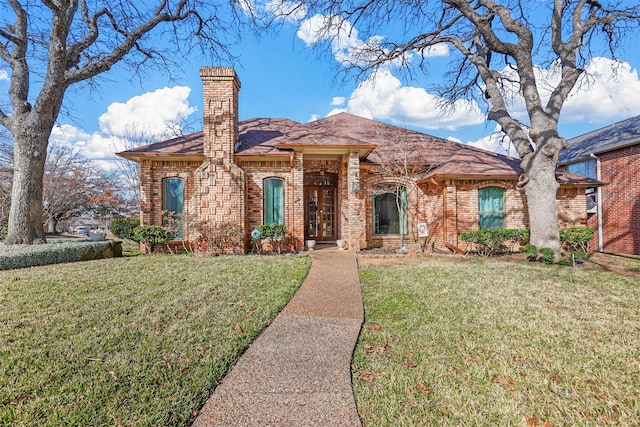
{"x": 592, "y": 200}
{"x": 273, "y": 201}
{"x": 387, "y": 218}
{"x": 587, "y": 168}
{"x": 172, "y": 200}
{"x": 491, "y": 207}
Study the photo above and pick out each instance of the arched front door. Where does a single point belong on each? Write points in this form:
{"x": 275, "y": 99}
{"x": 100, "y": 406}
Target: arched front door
{"x": 321, "y": 208}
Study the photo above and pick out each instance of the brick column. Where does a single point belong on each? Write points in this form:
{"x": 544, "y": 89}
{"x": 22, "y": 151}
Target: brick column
{"x": 297, "y": 227}
{"x": 451, "y": 213}
{"x": 356, "y": 214}
{"x": 146, "y": 193}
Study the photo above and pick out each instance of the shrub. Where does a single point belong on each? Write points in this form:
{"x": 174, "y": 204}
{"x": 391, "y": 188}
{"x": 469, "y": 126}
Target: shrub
{"x": 123, "y": 228}
{"x": 22, "y": 256}
{"x": 150, "y": 235}
{"x": 577, "y": 238}
{"x": 578, "y": 257}
{"x": 269, "y": 231}
{"x": 531, "y": 251}
{"x": 229, "y": 235}
{"x": 547, "y": 255}
{"x": 488, "y": 242}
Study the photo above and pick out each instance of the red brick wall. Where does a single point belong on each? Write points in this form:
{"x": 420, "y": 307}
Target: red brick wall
{"x": 620, "y": 169}
{"x": 152, "y": 174}
{"x": 256, "y": 173}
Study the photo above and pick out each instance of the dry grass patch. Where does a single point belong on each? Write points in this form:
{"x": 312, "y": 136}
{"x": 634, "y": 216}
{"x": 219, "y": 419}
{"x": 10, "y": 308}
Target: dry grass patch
{"x": 485, "y": 342}
{"x": 131, "y": 341}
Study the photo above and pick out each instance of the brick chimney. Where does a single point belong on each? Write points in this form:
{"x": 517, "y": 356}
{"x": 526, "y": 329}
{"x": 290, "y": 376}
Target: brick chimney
{"x": 220, "y": 109}
{"x": 219, "y": 180}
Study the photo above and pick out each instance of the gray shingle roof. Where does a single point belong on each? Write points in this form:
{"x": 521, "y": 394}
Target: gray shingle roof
{"x": 617, "y": 135}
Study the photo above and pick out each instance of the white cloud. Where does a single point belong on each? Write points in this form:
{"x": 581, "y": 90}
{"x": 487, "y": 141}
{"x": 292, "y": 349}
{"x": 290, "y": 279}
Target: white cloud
{"x": 608, "y": 91}
{"x": 4, "y": 76}
{"x": 382, "y": 96}
{"x": 338, "y": 100}
{"x": 147, "y": 117}
{"x": 150, "y": 114}
{"x": 441, "y": 49}
{"x": 346, "y": 46}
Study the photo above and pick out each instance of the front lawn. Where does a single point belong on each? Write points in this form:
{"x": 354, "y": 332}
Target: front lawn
{"x": 131, "y": 341}
{"x": 485, "y": 342}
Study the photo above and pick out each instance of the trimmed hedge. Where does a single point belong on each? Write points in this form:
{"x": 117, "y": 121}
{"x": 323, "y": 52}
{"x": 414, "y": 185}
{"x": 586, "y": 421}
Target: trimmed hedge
{"x": 22, "y": 256}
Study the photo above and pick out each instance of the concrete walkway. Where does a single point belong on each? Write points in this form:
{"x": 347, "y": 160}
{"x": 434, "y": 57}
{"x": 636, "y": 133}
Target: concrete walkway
{"x": 298, "y": 371}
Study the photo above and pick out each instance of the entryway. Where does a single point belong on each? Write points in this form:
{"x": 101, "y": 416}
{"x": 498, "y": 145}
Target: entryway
{"x": 321, "y": 207}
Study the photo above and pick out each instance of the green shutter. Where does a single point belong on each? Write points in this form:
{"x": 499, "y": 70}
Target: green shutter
{"x": 173, "y": 195}
{"x": 273, "y": 203}
{"x": 491, "y": 207}
{"x": 173, "y": 198}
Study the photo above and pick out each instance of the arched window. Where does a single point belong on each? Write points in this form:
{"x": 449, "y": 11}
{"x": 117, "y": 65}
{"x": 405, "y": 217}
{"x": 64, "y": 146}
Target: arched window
{"x": 273, "y": 201}
{"x": 390, "y": 211}
{"x": 491, "y": 207}
{"x": 172, "y": 201}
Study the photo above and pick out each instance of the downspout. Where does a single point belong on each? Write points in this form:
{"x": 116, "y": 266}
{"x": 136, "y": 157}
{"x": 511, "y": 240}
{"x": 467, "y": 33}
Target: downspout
{"x": 599, "y": 207}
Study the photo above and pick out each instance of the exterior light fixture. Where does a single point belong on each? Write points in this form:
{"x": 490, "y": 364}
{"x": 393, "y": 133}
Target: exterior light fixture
{"x": 356, "y": 186}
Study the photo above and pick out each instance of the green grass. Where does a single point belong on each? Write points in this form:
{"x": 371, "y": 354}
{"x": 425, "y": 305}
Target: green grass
{"x": 485, "y": 342}
{"x": 131, "y": 341}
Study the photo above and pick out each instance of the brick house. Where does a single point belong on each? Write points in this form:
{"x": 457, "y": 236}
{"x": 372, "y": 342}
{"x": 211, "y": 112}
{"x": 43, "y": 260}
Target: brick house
{"x": 612, "y": 155}
{"x": 341, "y": 177}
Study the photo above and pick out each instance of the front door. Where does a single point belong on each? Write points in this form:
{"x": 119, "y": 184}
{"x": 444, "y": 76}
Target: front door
{"x": 320, "y": 207}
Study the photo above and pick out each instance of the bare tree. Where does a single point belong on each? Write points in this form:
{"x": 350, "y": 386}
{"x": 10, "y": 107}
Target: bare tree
{"x": 129, "y": 171}
{"x": 70, "y": 181}
{"x": 401, "y": 171}
{"x": 497, "y": 42}
{"x": 58, "y": 44}
{"x": 6, "y": 176}
{"x": 72, "y": 186}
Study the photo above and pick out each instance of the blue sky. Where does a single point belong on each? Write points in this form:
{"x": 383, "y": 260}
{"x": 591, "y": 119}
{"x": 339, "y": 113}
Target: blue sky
{"x": 282, "y": 76}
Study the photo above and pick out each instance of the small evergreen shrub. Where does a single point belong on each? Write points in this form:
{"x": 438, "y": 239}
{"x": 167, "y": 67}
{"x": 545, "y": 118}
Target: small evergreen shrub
{"x": 577, "y": 238}
{"x": 275, "y": 232}
{"x": 578, "y": 257}
{"x": 489, "y": 242}
{"x": 269, "y": 231}
{"x": 531, "y": 251}
{"x": 123, "y": 228}
{"x": 150, "y": 235}
{"x": 547, "y": 255}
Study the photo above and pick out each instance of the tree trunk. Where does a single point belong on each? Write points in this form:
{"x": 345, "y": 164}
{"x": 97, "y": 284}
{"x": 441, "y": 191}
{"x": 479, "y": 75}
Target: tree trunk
{"x": 25, "y": 216}
{"x": 541, "y": 190}
{"x": 52, "y": 225}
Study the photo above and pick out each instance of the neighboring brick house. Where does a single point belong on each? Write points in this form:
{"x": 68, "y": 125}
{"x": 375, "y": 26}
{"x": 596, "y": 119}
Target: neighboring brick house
{"x": 335, "y": 178}
{"x": 611, "y": 155}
